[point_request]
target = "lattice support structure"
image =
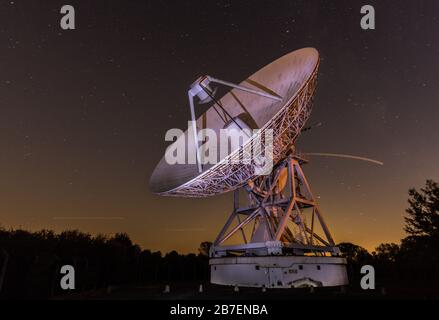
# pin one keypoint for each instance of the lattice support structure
(284, 241)
(280, 217)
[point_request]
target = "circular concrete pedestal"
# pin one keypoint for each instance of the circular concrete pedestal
(279, 271)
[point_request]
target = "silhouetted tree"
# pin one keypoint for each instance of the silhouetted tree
(354, 254)
(418, 251)
(33, 269)
(387, 252)
(423, 213)
(35, 258)
(204, 248)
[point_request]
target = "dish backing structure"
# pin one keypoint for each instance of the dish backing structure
(276, 236)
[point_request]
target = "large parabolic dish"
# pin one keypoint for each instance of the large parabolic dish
(291, 77)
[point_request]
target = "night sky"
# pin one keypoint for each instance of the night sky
(83, 113)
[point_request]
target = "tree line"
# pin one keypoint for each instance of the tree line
(414, 263)
(30, 261)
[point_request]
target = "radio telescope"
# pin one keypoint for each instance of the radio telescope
(275, 236)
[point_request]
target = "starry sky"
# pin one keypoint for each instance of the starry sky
(83, 113)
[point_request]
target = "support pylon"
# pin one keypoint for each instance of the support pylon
(280, 216)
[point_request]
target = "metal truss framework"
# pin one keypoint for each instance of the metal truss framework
(239, 167)
(281, 213)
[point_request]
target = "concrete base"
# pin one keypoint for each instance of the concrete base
(279, 271)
